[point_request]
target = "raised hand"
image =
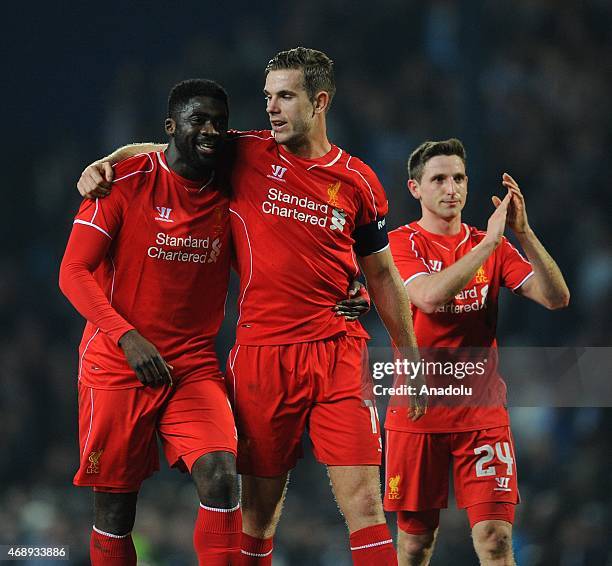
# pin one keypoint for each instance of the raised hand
(517, 212)
(497, 221)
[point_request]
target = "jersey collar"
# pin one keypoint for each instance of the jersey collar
(327, 160)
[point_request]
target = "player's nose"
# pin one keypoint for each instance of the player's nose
(451, 186)
(209, 129)
(271, 105)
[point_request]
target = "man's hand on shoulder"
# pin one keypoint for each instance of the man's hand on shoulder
(143, 357)
(95, 180)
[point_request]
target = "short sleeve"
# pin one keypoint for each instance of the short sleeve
(408, 259)
(371, 194)
(515, 269)
(370, 232)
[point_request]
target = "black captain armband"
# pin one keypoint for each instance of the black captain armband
(371, 238)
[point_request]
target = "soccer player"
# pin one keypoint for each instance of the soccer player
(305, 214)
(148, 268)
(453, 274)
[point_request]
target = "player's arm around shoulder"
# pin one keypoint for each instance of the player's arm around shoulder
(547, 285)
(97, 178)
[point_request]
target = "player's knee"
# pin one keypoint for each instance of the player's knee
(416, 549)
(492, 540)
(366, 502)
(115, 513)
(216, 481)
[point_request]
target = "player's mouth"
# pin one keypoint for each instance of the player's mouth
(277, 125)
(207, 147)
(451, 202)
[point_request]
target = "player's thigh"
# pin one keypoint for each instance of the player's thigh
(484, 467)
(416, 471)
(270, 393)
(344, 425)
(196, 420)
(118, 447)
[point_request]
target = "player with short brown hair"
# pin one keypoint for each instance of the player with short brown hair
(453, 274)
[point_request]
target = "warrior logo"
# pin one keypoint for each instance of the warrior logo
(164, 214)
(278, 172)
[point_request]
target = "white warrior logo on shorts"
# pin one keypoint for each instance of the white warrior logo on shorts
(503, 484)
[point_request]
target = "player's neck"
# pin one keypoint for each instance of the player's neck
(311, 146)
(441, 226)
(179, 166)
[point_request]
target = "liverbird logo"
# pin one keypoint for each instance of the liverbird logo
(94, 462)
(394, 482)
(481, 276)
(332, 194)
(218, 219)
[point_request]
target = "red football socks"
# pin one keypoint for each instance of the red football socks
(373, 545)
(255, 551)
(216, 536)
(106, 549)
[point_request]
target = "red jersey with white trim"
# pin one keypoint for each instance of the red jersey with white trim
(468, 321)
(292, 224)
(161, 244)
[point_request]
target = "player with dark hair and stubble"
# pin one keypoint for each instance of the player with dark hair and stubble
(148, 268)
(304, 214)
(453, 273)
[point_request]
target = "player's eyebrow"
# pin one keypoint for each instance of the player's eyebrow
(280, 92)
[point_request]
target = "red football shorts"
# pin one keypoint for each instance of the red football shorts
(417, 469)
(279, 391)
(118, 430)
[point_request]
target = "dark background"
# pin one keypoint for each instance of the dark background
(525, 84)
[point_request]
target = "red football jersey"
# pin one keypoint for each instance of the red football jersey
(292, 224)
(162, 246)
(468, 321)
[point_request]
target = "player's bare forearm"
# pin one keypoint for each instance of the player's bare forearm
(547, 286)
(390, 298)
(428, 292)
(132, 149)
(432, 291)
(96, 179)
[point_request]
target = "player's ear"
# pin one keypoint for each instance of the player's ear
(321, 102)
(170, 126)
(413, 187)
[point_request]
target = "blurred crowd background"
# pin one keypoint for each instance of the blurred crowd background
(525, 84)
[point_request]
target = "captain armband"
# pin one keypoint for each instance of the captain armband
(371, 238)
